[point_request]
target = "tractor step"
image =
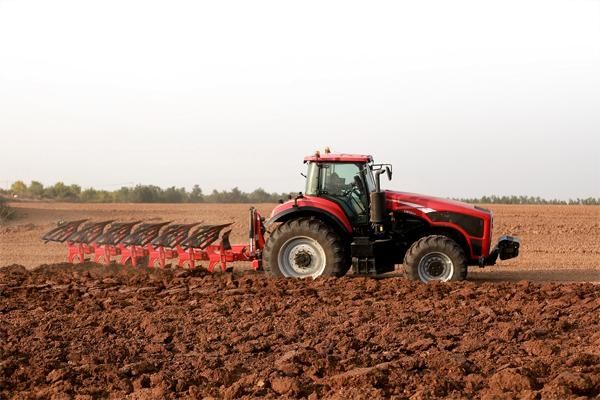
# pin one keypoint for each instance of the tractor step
(372, 256)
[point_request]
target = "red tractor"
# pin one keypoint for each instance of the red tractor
(344, 219)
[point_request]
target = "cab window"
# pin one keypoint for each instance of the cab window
(338, 178)
(345, 184)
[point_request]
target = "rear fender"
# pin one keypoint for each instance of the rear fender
(322, 209)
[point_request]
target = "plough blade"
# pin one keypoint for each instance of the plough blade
(173, 235)
(225, 240)
(116, 233)
(204, 236)
(89, 233)
(63, 231)
(144, 234)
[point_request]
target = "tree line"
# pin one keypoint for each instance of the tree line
(137, 194)
(154, 194)
(529, 200)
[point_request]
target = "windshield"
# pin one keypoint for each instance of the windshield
(312, 180)
(327, 184)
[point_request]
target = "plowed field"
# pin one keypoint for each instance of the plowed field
(151, 334)
(553, 237)
(91, 331)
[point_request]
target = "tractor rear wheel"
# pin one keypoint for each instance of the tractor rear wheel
(435, 258)
(305, 248)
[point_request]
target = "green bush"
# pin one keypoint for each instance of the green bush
(6, 212)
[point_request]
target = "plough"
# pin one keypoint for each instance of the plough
(159, 244)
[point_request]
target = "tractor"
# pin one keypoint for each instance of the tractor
(345, 220)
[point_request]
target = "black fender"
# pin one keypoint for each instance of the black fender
(431, 228)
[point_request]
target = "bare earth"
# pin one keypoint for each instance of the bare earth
(559, 243)
(93, 332)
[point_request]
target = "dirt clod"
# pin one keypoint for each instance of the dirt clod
(283, 385)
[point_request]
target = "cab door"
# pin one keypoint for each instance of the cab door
(344, 183)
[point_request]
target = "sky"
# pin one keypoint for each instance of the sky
(465, 98)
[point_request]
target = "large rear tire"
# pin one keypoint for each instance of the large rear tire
(435, 258)
(305, 248)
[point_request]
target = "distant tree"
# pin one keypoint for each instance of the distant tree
(89, 195)
(19, 188)
(196, 196)
(215, 197)
(143, 194)
(236, 196)
(105, 196)
(174, 195)
(74, 189)
(121, 195)
(36, 189)
(260, 196)
(60, 191)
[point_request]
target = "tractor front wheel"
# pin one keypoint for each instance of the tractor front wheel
(304, 248)
(435, 258)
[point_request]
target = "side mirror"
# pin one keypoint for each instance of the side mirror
(389, 173)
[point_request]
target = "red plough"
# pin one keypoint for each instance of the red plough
(159, 244)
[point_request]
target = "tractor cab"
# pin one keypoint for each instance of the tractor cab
(344, 179)
(349, 180)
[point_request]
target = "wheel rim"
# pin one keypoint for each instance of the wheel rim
(301, 257)
(435, 267)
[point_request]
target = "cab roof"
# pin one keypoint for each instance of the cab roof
(329, 157)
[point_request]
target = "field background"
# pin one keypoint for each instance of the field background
(554, 237)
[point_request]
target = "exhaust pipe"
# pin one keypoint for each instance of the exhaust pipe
(377, 217)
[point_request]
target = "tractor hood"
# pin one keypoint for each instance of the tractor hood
(428, 204)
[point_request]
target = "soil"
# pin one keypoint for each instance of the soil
(91, 331)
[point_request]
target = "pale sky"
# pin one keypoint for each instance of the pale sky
(465, 98)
